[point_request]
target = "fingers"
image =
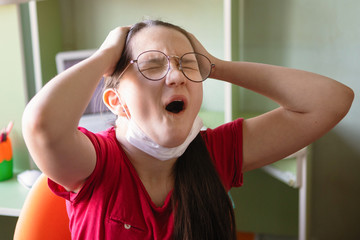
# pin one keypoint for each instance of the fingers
(199, 48)
(113, 45)
(116, 38)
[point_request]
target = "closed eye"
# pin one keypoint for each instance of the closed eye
(156, 67)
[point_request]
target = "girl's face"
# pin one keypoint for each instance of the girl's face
(148, 101)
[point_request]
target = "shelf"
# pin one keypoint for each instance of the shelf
(12, 197)
(288, 170)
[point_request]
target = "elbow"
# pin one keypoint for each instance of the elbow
(348, 96)
(44, 127)
(31, 123)
(342, 102)
(36, 126)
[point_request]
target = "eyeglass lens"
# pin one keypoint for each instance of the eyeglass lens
(154, 65)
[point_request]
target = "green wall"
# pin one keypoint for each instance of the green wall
(13, 95)
(321, 36)
(266, 205)
(27, 49)
(50, 36)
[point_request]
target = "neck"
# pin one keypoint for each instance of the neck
(148, 168)
(156, 175)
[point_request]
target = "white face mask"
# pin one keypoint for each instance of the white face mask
(138, 138)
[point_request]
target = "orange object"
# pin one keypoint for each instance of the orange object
(6, 161)
(5, 150)
(43, 215)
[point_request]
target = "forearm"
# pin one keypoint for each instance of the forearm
(58, 106)
(294, 90)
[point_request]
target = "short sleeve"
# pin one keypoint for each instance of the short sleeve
(225, 146)
(98, 142)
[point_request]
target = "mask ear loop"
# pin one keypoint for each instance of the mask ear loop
(122, 105)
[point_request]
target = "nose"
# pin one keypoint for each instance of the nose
(175, 76)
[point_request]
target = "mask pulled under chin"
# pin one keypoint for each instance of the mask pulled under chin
(136, 137)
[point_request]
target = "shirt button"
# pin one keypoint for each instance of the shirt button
(127, 226)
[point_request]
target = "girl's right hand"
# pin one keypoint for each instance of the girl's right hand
(113, 45)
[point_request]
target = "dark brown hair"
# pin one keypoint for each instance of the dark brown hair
(202, 207)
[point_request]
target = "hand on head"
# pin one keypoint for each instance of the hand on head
(114, 43)
(199, 48)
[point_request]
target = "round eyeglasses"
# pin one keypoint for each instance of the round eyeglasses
(154, 65)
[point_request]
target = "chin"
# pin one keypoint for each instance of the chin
(172, 140)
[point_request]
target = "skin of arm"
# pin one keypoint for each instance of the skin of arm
(51, 118)
(310, 105)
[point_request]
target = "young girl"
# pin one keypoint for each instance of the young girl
(155, 175)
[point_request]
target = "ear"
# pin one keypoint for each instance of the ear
(112, 101)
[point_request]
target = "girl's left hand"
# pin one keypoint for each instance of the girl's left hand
(199, 48)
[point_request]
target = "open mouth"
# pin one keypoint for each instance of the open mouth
(175, 106)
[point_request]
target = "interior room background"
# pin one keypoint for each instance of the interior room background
(321, 36)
